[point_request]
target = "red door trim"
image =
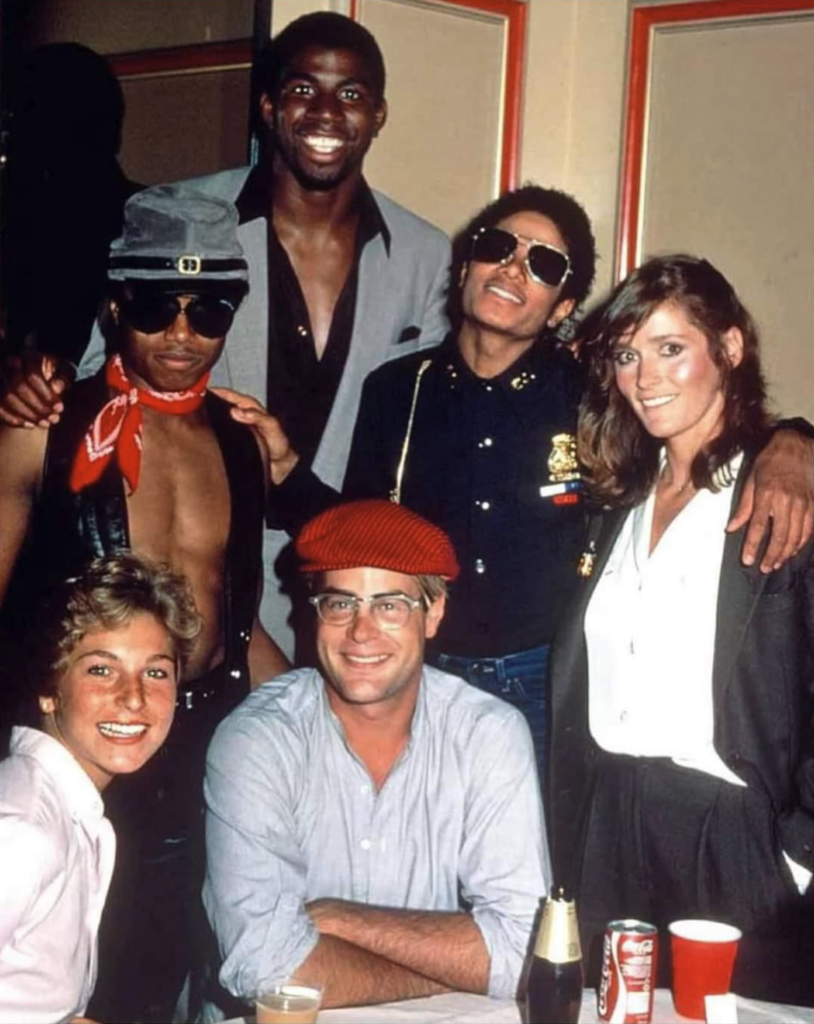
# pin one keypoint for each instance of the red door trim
(514, 11)
(644, 21)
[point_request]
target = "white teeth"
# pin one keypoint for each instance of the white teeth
(323, 144)
(120, 729)
(372, 659)
(654, 403)
(503, 294)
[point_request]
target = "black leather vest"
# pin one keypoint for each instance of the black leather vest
(68, 530)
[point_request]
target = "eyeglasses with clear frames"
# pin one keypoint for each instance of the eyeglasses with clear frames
(388, 611)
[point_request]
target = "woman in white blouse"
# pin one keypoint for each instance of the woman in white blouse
(682, 777)
(109, 646)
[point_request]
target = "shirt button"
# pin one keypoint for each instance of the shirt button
(365, 844)
(485, 443)
(623, 716)
(364, 790)
(480, 566)
(484, 505)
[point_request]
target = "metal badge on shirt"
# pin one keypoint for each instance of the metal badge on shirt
(563, 471)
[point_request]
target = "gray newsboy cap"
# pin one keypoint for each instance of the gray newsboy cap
(174, 233)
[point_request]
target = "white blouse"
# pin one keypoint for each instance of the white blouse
(650, 633)
(56, 858)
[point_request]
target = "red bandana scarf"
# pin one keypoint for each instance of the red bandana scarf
(118, 427)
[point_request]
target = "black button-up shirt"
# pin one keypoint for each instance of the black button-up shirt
(300, 386)
(493, 462)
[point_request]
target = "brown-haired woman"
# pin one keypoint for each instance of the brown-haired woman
(681, 775)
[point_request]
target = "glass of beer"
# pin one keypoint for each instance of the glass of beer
(289, 1002)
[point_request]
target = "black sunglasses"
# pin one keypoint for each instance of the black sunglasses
(545, 264)
(207, 315)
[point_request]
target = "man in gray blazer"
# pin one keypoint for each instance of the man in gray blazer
(342, 278)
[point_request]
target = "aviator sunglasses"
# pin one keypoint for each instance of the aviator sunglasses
(207, 315)
(544, 263)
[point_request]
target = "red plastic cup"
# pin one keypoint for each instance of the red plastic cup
(703, 958)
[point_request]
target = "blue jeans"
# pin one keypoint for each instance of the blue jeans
(520, 679)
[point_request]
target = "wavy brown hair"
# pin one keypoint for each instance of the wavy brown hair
(620, 458)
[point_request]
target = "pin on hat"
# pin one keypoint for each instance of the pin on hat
(174, 233)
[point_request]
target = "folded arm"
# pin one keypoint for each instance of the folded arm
(446, 948)
(352, 976)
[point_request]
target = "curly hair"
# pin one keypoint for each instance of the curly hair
(105, 596)
(620, 458)
(572, 223)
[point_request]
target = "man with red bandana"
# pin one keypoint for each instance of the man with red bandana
(374, 825)
(144, 458)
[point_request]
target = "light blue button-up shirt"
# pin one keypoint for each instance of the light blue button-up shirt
(293, 816)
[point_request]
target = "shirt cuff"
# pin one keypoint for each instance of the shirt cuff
(506, 940)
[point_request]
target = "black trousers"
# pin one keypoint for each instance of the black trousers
(664, 842)
(153, 929)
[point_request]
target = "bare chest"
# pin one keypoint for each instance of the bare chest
(181, 509)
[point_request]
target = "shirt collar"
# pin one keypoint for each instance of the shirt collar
(253, 202)
(416, 725)
(723, 477)
(514, 379)
(69, 779)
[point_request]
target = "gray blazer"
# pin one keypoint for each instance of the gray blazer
(400, 307)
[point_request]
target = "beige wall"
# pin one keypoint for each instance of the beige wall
(574, 86)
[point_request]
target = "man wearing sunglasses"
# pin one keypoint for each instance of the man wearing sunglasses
(374, 825)
(145, 458)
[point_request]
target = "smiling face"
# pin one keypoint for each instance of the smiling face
(503, 298)
(666, 372)
(326, 116)
(172, 359)
(115, 699)
(364, 664)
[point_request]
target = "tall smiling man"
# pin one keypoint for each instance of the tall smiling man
(373, 825)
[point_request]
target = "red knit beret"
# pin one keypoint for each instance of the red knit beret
(379, 534)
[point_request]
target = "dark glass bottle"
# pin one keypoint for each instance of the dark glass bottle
(554, 993)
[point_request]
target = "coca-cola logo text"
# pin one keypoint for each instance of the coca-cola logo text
(637, 947)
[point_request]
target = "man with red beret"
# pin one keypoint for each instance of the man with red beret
(373, 825)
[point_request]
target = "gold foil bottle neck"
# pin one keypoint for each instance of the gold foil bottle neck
(558, 937)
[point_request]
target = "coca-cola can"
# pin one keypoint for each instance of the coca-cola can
(628, 980)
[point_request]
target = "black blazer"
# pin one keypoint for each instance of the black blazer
(763, 680)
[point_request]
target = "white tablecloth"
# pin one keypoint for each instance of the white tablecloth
(461, 1008)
